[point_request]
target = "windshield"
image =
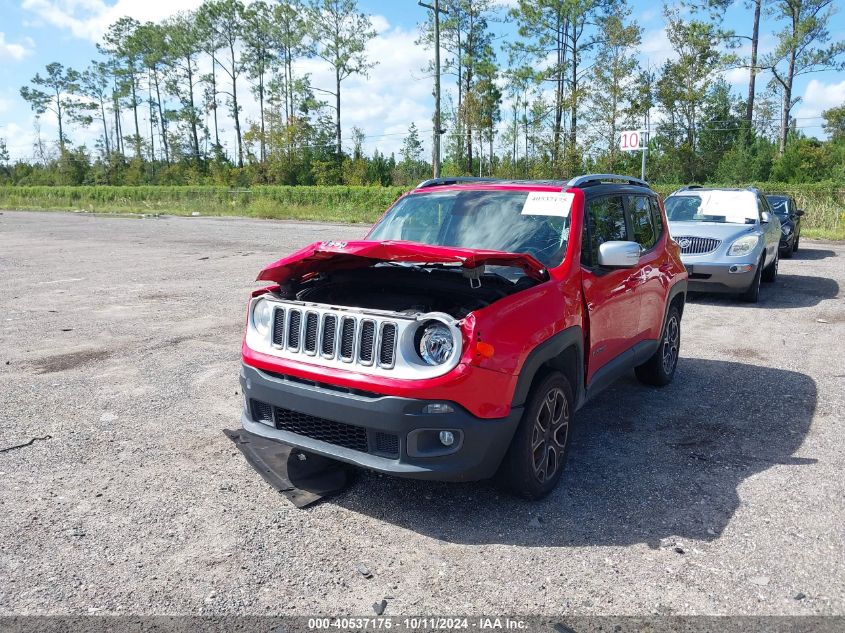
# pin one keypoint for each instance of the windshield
(731, 207)
(779, 204)
(491, 220)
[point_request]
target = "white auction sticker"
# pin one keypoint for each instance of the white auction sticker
(556, 203)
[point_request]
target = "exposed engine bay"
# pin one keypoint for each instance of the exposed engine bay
(412, 289)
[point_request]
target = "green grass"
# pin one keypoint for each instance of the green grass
(824, 203)
(825, 234)
(327, 204)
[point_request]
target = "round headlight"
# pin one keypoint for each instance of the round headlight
(436, 343)
(262, 315)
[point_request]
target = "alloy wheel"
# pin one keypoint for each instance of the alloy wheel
(549, 434)
(671, 343)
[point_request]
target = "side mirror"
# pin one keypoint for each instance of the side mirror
(765, 217)
(619, 254)
(800, 212)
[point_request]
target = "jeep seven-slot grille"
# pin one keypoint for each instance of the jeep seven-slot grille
(316, 428)
(312, 322)
(697, 245)
(362, 340)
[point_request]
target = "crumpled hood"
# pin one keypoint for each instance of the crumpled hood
(336, 255)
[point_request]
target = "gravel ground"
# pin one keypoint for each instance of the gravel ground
(720, 494)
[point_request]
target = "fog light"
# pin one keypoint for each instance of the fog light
(741, 268)
(447, 438)
(438, 407)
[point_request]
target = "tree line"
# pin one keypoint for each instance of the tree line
(547, 103)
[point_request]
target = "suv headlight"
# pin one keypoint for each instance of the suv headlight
(743, 245)
(435, 343)
(785, 228)
(262, 316)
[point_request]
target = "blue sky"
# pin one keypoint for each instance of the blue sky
(36, 32)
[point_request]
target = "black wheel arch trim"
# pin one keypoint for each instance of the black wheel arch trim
(678, 288)
(550, 349)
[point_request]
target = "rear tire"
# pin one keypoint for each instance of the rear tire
(659, 370)
(753, 293)
(537, 455)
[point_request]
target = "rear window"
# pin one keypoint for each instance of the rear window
(731, 207)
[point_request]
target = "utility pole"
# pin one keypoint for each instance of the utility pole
(644, 141)
(435, 149)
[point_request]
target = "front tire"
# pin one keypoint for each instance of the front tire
(659, 370)
(537, 455)
(752, 295)
(770, 273)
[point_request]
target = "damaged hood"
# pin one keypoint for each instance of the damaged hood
(321, 257)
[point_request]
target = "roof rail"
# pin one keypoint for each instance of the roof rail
(688, 187)
(595, 179)
(452, 180)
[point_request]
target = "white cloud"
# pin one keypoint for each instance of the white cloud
(736, 76)
(818, 96)
(89, 19)
(14, 51)
(396, 92)
(656, 47)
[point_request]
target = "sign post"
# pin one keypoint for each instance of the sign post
(634, 141)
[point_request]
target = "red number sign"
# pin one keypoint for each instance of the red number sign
(629, 141)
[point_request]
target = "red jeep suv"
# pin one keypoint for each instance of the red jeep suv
(458, 339)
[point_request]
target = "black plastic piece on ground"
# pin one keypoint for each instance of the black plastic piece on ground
(302, 481)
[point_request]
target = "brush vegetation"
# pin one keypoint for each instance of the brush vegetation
(824, 203)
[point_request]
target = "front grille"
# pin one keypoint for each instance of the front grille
(312, 322)
(261, 412)
(279, 326)
(387, 443)
(329, 336)
(364, 340)
(347, 338)
(388, 345)
(368, 338)
(697, 245)
(294, 329)
(346, 435)
(337, 433)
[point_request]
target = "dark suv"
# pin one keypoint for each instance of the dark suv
(457, 340)
(790, 216)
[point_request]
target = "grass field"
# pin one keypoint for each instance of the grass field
(825, 204)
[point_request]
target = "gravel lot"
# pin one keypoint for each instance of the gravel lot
(720, 494)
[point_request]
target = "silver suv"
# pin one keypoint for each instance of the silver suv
(728, 237)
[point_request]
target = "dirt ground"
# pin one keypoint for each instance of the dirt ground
(119, 347)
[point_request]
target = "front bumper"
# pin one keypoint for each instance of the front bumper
(388, 434)
(786, 242)
(716, 276)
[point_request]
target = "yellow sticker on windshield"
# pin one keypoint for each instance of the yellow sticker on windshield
(554, 203)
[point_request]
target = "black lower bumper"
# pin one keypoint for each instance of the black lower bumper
(357, 428)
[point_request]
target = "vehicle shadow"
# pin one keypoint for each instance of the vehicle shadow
(797, 291)
(644, 464)
(787, 291)
(812, 253)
